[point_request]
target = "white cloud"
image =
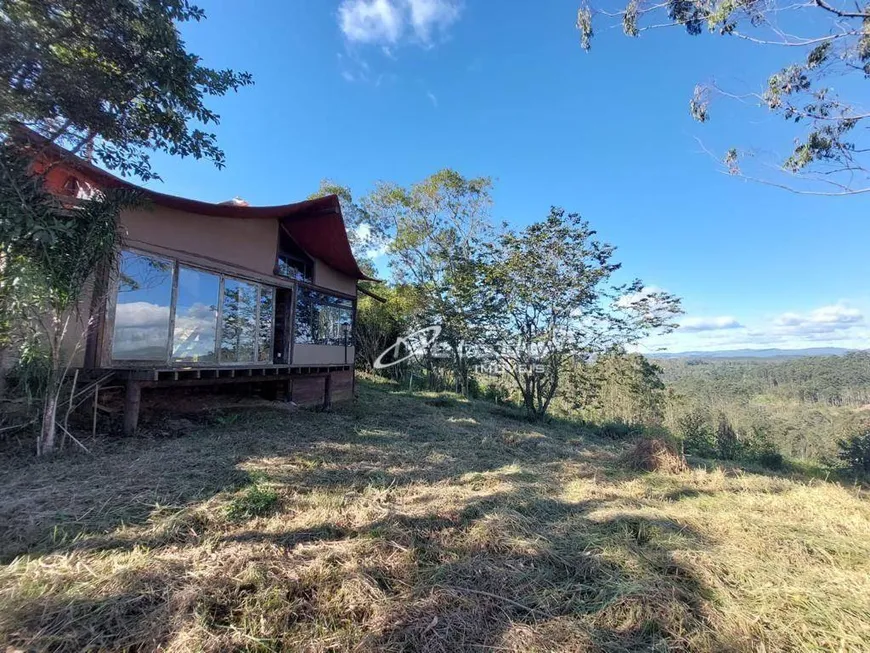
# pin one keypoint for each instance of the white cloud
(697, 324)
(427, 15)
(141, 330)
(650, 302)
(432, 97)
(371, 21)
(830, 318)
(388, 22)
(836, 325)
(140, 314)
(363, 231)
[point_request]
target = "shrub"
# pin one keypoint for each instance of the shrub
(771, 460)
(727, 442)
(495, 393)
(696, 435)
(31, 375)
(255, 501)
(855, 452)
(616, 430)
(474, 390)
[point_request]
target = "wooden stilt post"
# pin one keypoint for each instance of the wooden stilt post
(96, 409)
(131, 407)
(327, 393)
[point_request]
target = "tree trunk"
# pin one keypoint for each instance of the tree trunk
(45, 443)
(4, 357)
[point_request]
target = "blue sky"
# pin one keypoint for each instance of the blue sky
(367, 90)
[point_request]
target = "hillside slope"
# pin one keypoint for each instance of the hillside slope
(420, 523)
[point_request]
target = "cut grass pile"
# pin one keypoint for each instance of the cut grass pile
(417, 523)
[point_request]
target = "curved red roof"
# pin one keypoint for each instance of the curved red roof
(316, 225)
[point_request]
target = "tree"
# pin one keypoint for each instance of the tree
(436, 229)
(362, 230)
(727, 441)
(111, 76)
(617, 386)
(50, 253)
(552, 302)
(108, 79)
(380, 324)
(855, 453)
(830, 153)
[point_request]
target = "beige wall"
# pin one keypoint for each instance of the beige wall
(246, 247)
(314, 355)
(326, 277)
(249, 244)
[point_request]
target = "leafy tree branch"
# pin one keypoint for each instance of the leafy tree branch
(830, 154)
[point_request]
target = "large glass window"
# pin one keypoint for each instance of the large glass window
(195, 316)
(267, 309)
(142, 308)
(323, 319)
(239, 322)
(143, 326)
(303, 331)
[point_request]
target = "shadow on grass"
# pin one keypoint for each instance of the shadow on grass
(490, 576)
(386, 439)
(515, 569)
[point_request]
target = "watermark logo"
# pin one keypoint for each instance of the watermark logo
(424, 342)
(413, 345)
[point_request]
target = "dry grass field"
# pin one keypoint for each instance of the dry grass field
(420, 523)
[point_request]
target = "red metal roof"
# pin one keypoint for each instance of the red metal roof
(316, 225)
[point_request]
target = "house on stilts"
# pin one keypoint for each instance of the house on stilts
(209, 294)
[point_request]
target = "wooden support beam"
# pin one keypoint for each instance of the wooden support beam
(132, 400)
(224, 380)
(327, 394)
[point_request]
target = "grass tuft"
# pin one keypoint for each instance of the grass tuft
(255, 501)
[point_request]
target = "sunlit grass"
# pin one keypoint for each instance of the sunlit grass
(421, 522)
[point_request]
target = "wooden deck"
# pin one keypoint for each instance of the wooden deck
(304, 385)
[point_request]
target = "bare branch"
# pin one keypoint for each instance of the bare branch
(842, 14)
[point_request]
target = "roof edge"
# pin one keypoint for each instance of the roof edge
(342, 260)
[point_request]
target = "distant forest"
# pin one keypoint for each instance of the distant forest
(829, 380)
(800, 407)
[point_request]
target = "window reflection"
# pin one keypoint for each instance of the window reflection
(239, 322)
(195, 316)
(323, 319)
(267, 307)
(142, 308)
(142, 326)
(303, 333)
(293, 268)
